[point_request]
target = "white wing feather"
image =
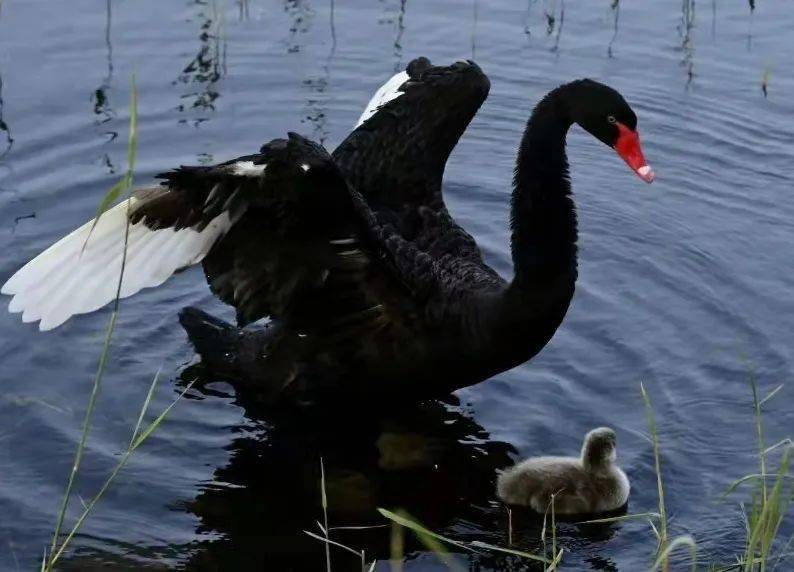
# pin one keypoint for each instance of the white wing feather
(388, 91)
(66, 280)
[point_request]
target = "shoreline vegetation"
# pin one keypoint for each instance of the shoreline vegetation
(771, 493)
(771, 490)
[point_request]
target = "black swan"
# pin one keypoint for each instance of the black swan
(588, 484)
(370, 286)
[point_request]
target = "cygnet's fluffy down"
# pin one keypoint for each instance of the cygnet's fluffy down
(589, 484)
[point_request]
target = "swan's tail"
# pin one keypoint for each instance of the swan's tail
(216, 341)
(238, 356)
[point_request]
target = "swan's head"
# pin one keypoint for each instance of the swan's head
(603, 113)
(600, 448)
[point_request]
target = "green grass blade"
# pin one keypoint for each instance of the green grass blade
(328, 541)
(439, 550)
(84, 434)
(781, 443)
(655, 530)
(119, 466)
(159, 419)
(664, 554)
(358, 527)
(661, 532)
(739, 482)
(771, 394)
(145, 406)
(553, 532)
(527, 555)
(323, 496)
(406, 522)
(760, 433)
(556, 562)
(132, 142)
(777, 506)
(126, 182)
(124, 186)
(430, 538)
(641, 515)
(397, 547)
(87, 510)
(324, 501)
(769, 507)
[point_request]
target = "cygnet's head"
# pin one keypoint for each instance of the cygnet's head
(599, 449)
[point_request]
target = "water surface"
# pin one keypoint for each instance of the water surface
(684, 285)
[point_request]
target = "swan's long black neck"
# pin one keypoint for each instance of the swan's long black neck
(543, 213)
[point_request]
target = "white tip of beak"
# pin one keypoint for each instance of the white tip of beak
(646, 173)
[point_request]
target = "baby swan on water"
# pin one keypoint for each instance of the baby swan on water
(586, 485)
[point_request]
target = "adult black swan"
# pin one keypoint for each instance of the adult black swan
(370, 286)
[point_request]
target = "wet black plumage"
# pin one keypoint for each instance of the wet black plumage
(371, 287)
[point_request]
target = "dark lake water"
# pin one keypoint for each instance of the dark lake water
(684, 285)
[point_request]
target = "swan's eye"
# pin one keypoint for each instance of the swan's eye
(611, 119)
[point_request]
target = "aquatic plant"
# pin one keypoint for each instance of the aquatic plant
(123, 186)
(435, 542)
(140, 433)
(326, 531)
(769, 501)
(769, 505)
(665, 546)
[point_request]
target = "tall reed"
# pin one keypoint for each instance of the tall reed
(123, 186)
(769, 504)
(139, 435)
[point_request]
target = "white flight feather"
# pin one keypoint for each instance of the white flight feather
(388, 91)
(247, 169)
(66, 280)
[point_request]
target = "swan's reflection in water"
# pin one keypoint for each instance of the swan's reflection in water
(432, 460)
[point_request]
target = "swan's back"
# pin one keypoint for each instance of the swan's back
(576, 490)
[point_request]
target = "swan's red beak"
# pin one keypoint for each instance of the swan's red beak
(629, 148)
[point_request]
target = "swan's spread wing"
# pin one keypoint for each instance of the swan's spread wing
(397, 153)
(79, 273)
(303, 248)
(306, 249)
(278, 233)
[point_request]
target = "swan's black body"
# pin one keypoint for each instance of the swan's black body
(372, 288)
